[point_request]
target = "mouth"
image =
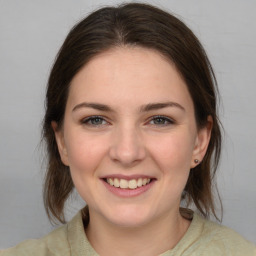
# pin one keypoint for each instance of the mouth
(128, 184)
(126, 187)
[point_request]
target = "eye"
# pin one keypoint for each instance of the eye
(94, 121)
(161, 121)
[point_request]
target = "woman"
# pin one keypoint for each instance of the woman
(131, 123)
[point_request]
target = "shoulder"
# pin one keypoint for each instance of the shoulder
(220, 240)
(55, 243)
(70, 239)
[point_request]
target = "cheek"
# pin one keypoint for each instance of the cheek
(85, 153)
(172, 155)
(173, 152)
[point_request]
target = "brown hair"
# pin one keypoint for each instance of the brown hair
(136, 25)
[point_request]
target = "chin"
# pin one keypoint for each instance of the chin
(129, 216)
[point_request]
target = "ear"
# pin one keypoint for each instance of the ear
(60, 143)
(202, 142)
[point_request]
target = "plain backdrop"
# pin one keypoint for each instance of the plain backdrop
(31, 32)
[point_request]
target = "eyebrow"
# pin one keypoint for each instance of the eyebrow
(96, 106)
(156, 106)
(144, 108)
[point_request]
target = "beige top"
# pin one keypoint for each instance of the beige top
(202, 238)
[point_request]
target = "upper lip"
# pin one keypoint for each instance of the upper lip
(128, 177)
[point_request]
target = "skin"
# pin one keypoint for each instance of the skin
(129, 139)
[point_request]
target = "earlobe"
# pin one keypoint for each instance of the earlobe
(202, 142)
(60, 143)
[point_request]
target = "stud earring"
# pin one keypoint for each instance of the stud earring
(196, 161)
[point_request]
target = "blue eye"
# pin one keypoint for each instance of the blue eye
(161, 120)
(94, 121)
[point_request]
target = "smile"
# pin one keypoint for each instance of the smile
(127, 187)
(128, 184)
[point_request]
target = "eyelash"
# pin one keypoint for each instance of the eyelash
(167, 120)
(89, 121)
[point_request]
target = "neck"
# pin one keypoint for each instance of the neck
(153, 238)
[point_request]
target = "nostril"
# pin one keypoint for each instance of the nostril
(127, 156)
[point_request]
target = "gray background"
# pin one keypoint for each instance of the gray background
(31, 32)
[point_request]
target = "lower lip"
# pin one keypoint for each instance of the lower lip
(124, 192)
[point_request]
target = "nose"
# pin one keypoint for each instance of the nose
(127, 147)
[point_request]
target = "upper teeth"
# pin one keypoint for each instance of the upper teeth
(131, 184)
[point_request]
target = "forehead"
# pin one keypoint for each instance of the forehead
(128, 73)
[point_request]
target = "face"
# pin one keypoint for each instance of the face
(130, 137)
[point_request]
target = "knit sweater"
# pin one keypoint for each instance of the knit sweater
(203, 237)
